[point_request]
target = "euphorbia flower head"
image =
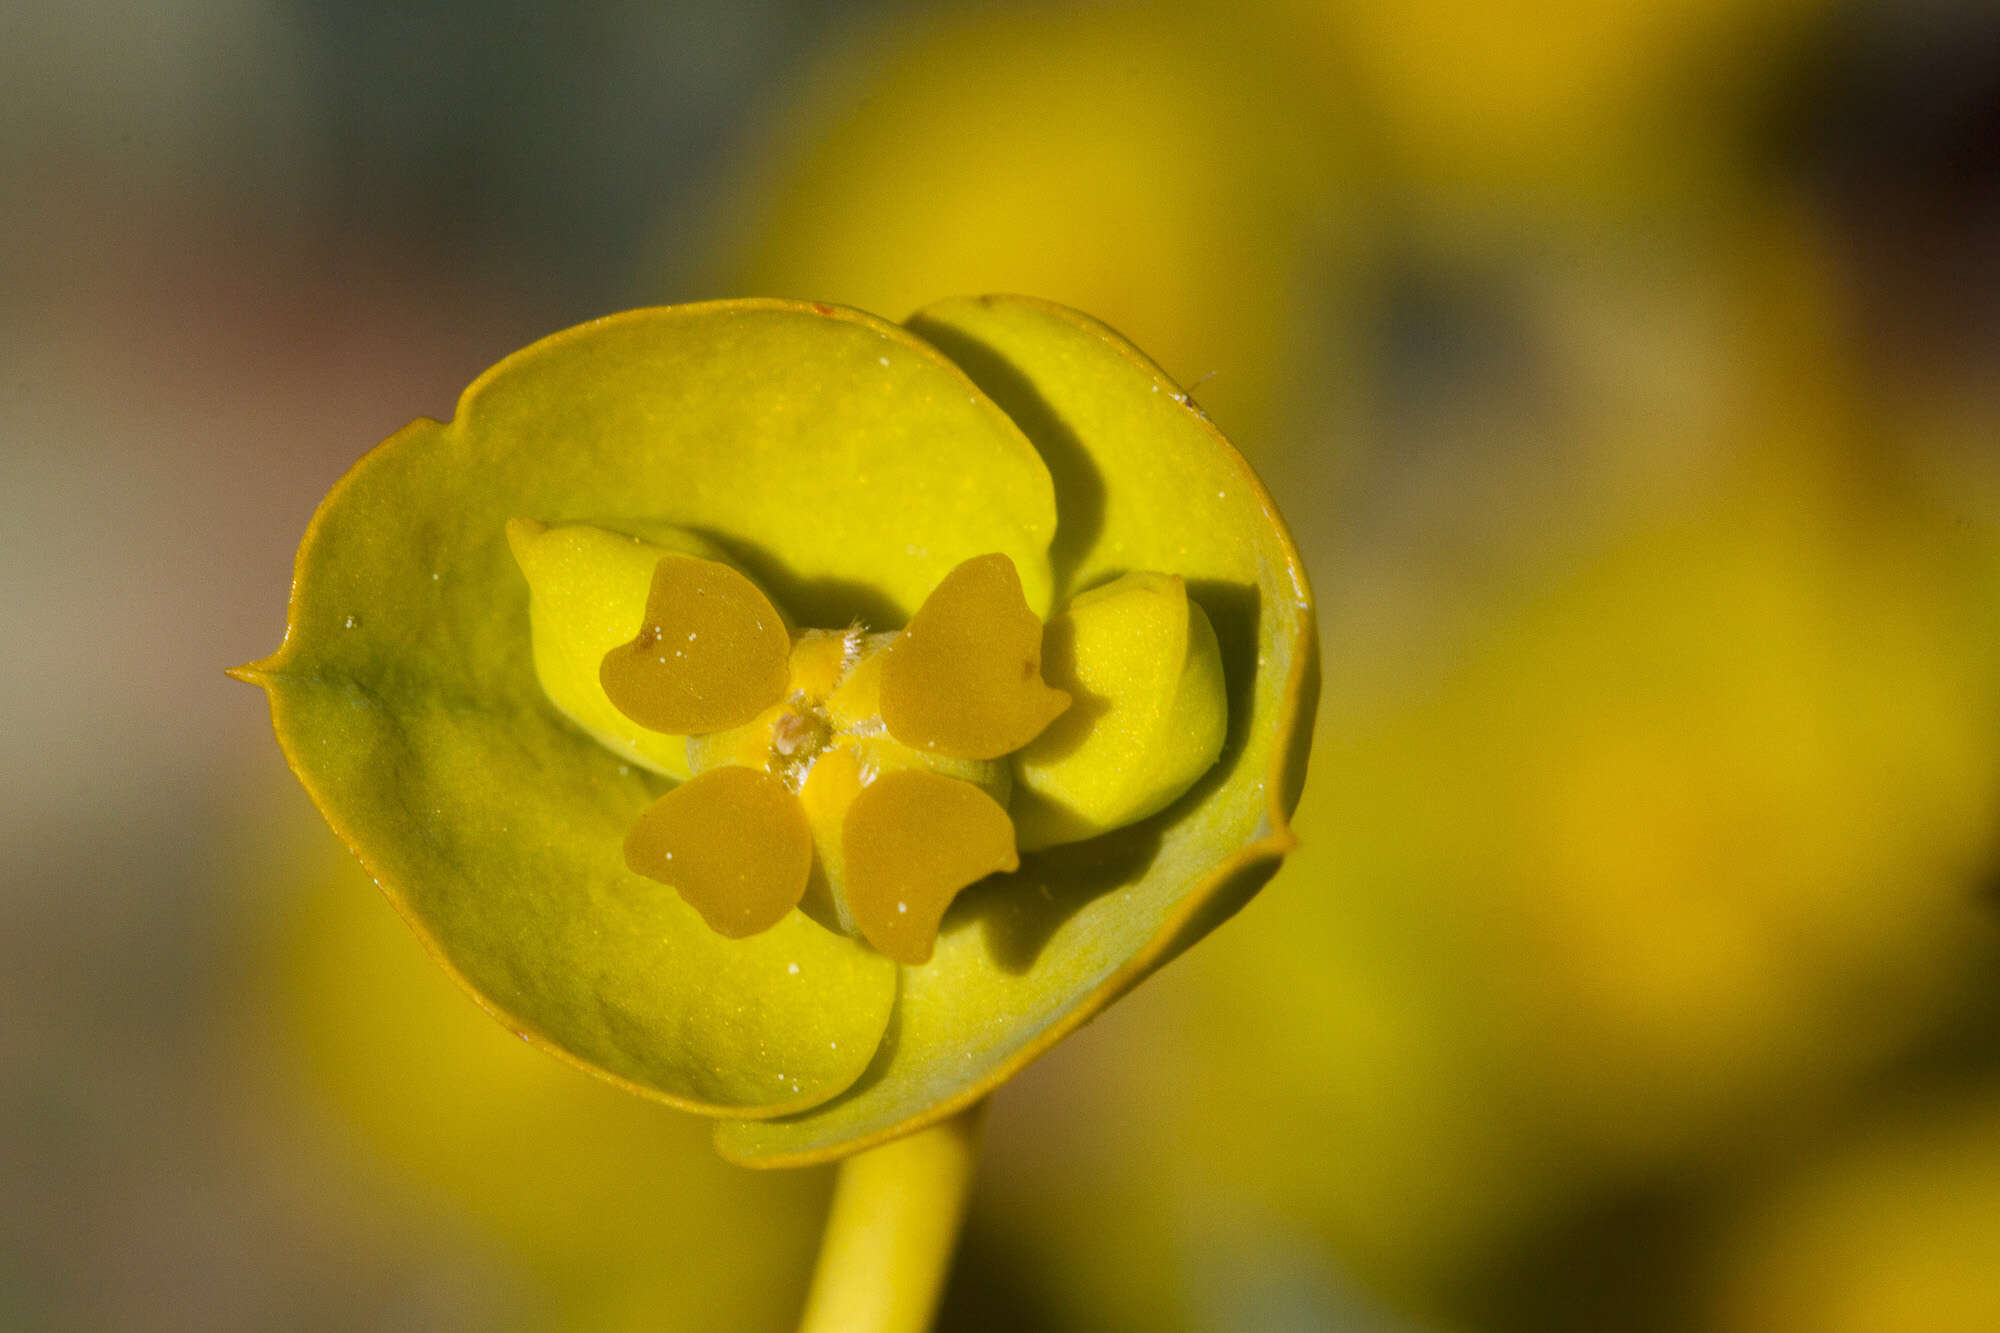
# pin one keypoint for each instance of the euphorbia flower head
(703, 637)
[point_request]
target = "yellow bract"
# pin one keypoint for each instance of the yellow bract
(965, 679)
(1142, 662)
(851, 465)
(711, 653)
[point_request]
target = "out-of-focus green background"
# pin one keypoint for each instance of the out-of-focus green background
(1629, 371)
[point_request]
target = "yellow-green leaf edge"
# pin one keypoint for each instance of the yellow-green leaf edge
(1006, 344)
(872, 994)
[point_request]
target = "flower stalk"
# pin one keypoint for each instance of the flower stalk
(892, 1229)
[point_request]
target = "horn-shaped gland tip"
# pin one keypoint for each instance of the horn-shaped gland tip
(965, 678)
(732, 841)
(911, 840)
(711, 654)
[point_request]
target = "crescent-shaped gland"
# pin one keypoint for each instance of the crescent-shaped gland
(711, 653)
(965, 678)
(910, 842)
(733, 842)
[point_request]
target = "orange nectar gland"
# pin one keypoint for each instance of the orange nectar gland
(867, 785)
(965, 679)
(711, 652)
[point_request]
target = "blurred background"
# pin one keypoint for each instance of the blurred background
(1629, 371)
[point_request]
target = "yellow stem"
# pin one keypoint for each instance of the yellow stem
(890, 1234)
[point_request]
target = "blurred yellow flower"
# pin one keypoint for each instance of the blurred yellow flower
(1145, 163)
(1894, 1230)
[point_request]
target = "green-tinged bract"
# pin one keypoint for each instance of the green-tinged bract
(608, 497)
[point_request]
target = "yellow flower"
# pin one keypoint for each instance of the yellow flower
(845, 469)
